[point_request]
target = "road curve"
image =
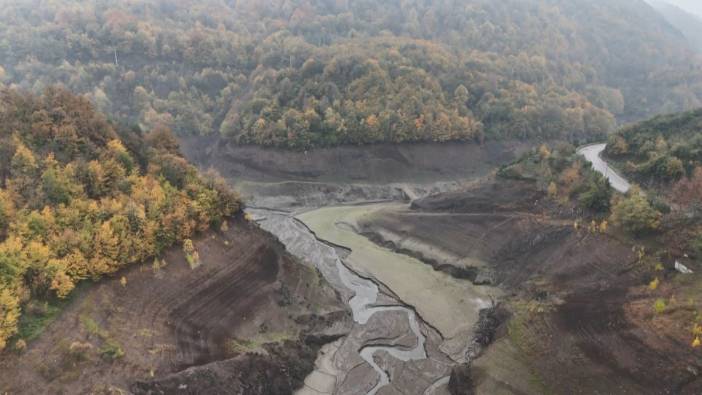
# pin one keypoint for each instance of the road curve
(592, 154)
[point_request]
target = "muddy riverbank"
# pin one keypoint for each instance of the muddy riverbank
(449, 304)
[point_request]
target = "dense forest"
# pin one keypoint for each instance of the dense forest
(80, 198)
(305, 73)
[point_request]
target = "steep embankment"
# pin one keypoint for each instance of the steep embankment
(269, 177)
(350, 164)
(248, 319)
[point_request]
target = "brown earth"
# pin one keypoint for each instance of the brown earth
(381, 163)
(582, 318)
(249, 319)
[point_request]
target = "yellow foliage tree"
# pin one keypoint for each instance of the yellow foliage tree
(654, 284)
(604, 225)
(62, 284)
(544, 152)
(9, 315)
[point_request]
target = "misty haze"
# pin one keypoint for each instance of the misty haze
(348, 197)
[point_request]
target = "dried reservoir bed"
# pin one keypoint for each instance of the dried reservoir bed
(450, 305)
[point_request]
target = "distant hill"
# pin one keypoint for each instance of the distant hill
(687, 23)
(309, 73)
(693, 7)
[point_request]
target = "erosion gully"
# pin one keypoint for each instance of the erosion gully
(361, 293)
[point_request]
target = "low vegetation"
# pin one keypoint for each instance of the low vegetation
(81, 198)
(565, 177)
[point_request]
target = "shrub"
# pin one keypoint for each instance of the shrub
(635, 214)
(552, 190)
(191, 255)
(111, 350)
(80, 351)
(20, 345)
(653, 285)
(596, 195)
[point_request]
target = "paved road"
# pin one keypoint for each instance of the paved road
(592, 154)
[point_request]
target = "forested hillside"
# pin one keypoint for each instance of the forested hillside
(80, 198)
(305, 73)
(661, 150)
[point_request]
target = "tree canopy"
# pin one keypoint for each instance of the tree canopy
(80, 198)
(306, 73)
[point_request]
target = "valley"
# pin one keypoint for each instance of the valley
(437, 313)
(350, 197)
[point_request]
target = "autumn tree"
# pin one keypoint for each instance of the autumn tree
(635, 213)
(89, 208)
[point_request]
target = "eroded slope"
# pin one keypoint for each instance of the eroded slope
(248, 319)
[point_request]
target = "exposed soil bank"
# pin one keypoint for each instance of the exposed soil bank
(249, 319)
(383, 163)
(273, 178)
(581, 319)
(461, 380)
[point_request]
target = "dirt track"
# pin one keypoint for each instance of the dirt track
(248, 295)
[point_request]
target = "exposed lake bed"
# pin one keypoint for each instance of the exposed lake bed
(459, 285)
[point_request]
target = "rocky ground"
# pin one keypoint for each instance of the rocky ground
(249, 319)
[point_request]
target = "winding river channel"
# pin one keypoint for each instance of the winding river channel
(361, 293)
